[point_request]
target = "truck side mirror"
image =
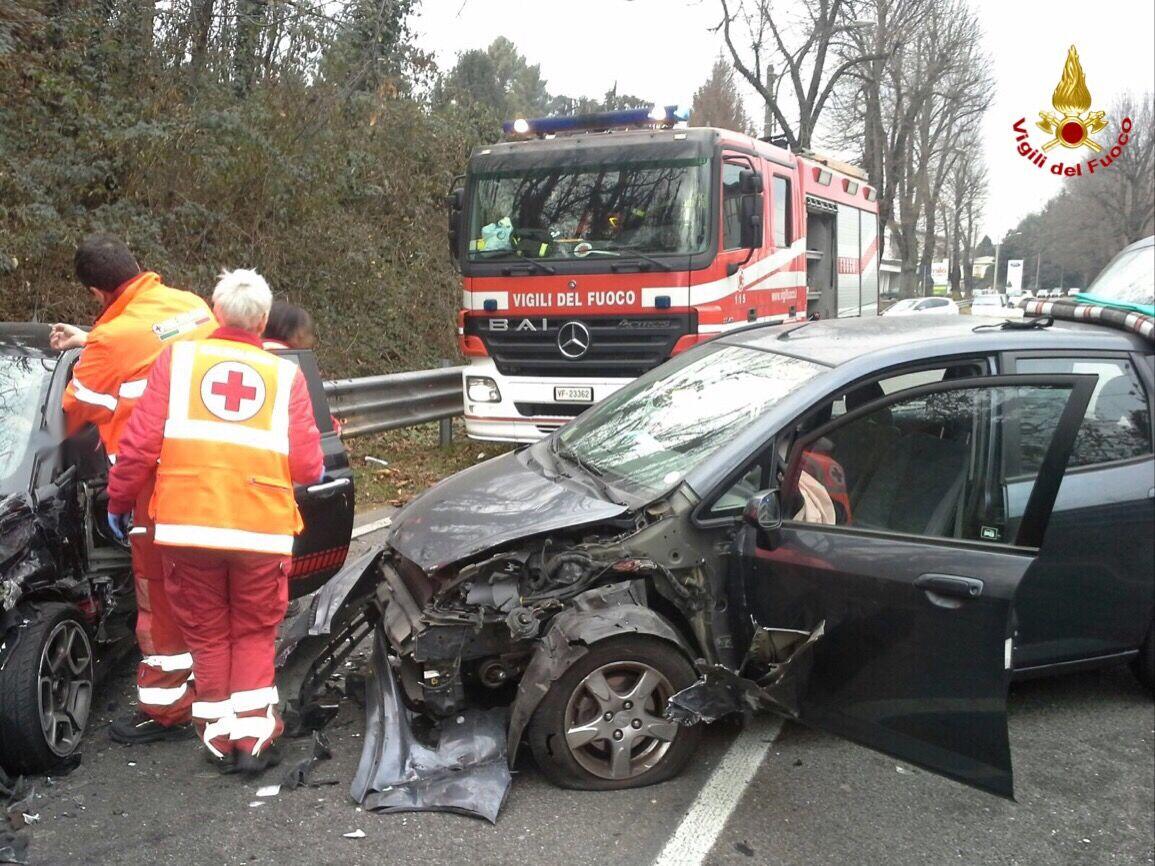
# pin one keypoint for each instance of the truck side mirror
(764, 510)
(749, 182)
(455, 203)
(751, 234)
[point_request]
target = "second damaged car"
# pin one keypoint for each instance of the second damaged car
(869, 526)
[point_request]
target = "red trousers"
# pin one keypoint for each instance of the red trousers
(163, 685)
(230, 604)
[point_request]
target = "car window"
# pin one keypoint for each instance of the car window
(782, 228)
(24, 379)
(917, 466)
(1117, 425)
(732, 204)
(758, 476)
(864, 393)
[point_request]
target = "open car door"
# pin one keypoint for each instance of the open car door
(911, 580)
(326, 507)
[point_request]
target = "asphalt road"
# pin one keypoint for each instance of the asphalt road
(1083, 745)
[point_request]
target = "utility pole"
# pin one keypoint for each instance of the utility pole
(1038, 262)
(995, 287)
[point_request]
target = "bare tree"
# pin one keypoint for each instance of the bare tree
(945, 49)
(809, 53)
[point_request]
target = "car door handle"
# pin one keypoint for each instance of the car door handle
(327, 488)
(950, 584)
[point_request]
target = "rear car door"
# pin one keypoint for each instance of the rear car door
(1092, 593)
(326, 507)
(912, 574)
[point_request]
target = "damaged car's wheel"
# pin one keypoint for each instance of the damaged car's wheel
(602, 725)
(46, 690)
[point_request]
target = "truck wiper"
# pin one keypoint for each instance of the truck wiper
(639, 254)
(541, 267)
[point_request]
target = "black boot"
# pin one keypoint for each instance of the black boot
(137, 728)
(226, 766)
(254, 765)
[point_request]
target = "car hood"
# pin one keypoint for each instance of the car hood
(488, 505)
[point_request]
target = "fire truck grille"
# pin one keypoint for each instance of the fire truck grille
(580, 346)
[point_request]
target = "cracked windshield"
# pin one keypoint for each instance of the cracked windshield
(645, 437)
(591, 211)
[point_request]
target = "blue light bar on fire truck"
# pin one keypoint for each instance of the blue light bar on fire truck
(635, 118)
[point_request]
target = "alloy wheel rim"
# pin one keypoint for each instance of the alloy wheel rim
(614, 720)
(64, 687)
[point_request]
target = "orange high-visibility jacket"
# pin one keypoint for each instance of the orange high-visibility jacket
(224, 479)
(113, 367)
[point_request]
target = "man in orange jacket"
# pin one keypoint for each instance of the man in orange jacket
(140, 317)
(232, 427)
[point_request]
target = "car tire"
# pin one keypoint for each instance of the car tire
(580, 704)
(1144, 664)
(46, 688)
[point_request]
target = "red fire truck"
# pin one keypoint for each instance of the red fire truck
(594, 248)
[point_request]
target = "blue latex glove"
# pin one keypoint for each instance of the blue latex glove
(120, 524)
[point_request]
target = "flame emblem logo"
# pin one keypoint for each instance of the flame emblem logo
(1075, 123)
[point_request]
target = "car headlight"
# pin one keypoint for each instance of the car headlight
(482, 389)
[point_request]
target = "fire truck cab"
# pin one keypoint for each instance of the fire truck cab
(593, 249)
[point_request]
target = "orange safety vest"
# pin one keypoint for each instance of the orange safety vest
(127, 338)
(223, 480)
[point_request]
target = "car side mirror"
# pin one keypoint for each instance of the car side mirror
(764, 511)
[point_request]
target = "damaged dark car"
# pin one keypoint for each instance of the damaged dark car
(870, 526)
(67, 602)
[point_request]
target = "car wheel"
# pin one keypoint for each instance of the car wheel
(47, 691)
(1144, 664)
(602, 724)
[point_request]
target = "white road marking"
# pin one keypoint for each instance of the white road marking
(372, 526)
(706, 817)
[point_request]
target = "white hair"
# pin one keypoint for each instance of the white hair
(242, 299)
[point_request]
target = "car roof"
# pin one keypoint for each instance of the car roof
(25, 338)
(876, 341)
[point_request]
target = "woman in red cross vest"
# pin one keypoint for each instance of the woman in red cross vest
(229, 428)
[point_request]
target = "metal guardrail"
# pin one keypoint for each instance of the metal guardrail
(372, 404)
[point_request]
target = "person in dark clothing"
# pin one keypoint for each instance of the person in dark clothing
(289, 327)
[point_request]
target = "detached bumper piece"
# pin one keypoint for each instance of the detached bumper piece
(408, 765)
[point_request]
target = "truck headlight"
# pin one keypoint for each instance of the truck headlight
(482, 389)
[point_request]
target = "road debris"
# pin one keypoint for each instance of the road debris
(356, 834)
(299, 775)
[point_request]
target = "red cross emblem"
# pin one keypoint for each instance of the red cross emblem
(233, 391)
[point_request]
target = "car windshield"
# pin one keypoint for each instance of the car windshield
(905, 304)
(23, 381)
(1129, 278)
(644, 438)
(578, 211)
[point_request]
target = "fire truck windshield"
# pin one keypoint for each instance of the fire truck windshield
(607, 210)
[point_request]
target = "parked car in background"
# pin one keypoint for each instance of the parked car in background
(923, 306)
(870, 525)
(994, 305)
(66, 592)
(1071, 292)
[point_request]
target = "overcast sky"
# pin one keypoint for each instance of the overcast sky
(663, 49)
